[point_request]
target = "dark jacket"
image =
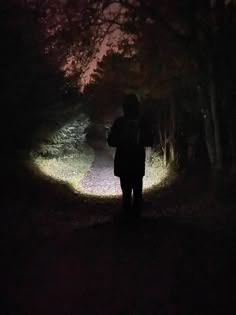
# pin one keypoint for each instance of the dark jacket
(130, 156)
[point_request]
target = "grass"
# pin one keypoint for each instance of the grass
(70, 169)
(154, 175)
(155, 172)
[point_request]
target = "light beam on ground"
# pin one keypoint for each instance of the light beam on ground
(98, 181)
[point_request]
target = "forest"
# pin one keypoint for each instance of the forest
(178, 58)
(66, 67)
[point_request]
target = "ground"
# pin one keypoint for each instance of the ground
(63, 253)
(100, 179)
(90, 172)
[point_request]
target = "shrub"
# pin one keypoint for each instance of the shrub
(66, 140)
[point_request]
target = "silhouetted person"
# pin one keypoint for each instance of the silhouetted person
(130, 135)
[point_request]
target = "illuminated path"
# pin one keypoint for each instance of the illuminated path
(100, 179)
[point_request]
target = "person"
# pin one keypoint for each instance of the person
(130, 135)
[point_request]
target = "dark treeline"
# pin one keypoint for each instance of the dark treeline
(177, 56)
(60, 253)
(183, 69)
(35, 96)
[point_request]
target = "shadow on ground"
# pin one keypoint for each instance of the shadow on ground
(150, 267)
(62, 253)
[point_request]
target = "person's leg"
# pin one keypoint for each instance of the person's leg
(126, 187)
(137, 185)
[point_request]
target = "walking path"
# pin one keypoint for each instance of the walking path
(100, 179)
(66, 258)
(154, 267)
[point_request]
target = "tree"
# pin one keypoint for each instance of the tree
(202, 29)
(199, 34)
(66, 139)
(111, 79)
(30, 84)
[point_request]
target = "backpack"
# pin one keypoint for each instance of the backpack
(130, 133)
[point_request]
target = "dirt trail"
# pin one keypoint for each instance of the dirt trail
(62, 258)
(100, 179)
(154, 267)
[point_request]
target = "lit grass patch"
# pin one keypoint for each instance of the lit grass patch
(99, 180)
(70, 169)
(155, 173)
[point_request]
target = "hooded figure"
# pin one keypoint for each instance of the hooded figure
(130, 135)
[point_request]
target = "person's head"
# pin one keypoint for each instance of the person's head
(131, 106)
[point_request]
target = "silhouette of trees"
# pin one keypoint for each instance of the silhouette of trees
(177, 53)
(114, 75)
(182, 42)
(189, 47)
(31, 84)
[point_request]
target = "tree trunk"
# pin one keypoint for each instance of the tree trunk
(209, 138)
(233, 151)
(165, 149)
(172, 130)
(216, 126)
(163, 141)
(208, 126)
(163, 137)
